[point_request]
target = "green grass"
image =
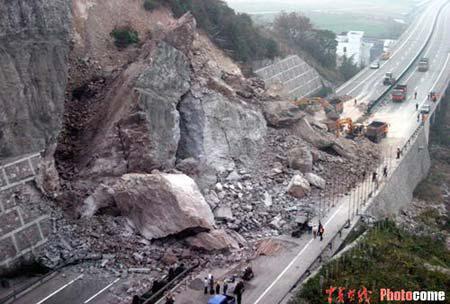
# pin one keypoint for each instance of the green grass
(372, 27)
(388, 257)
(344, 22)
(124, 36)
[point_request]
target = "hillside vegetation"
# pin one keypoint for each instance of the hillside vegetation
(233, 32)
(388, 257)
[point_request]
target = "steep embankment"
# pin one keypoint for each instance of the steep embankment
(34, 39)
(166, 104)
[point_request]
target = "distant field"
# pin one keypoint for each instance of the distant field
(372, 7)
(375, 17)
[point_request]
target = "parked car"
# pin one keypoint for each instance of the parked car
(425, 109)
(375, 65)
(222, 299)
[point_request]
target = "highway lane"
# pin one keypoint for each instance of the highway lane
(71, 288)
(367, 85)
(402, 117)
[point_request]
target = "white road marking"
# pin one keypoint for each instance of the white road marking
(59, 289)
(295, 259)
(101, 291)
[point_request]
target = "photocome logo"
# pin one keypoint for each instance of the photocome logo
(363, 295)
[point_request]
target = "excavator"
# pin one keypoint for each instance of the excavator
(345, 126)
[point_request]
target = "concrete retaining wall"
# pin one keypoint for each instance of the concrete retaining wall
(398, 191)
(297, 78)
(24, 227)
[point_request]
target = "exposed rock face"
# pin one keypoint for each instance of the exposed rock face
(34, 38)
(298, 187)
(159, 205)
(281, 114)
(300, 159)
(146, 133)
(218, 131)
(47, 178)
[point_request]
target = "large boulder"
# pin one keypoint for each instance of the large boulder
(313, 136)
(315, 180)
(300, 158)
(298, 187)
(218, 132)
(319, 138)
(281, 114)
(215, 240)
(160, 205)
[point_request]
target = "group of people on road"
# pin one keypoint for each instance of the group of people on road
(214, 286)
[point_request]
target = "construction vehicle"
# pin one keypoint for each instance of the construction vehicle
(389, 79)
(346, 127)
(423, 65)
(337, 104)
(399, 92)
(376, 130)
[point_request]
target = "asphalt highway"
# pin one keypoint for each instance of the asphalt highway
(367, 85)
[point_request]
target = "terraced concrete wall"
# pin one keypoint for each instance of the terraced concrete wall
(295, 75)
(23, 226)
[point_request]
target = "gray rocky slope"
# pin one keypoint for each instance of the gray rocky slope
(34, 39)
(170, 112)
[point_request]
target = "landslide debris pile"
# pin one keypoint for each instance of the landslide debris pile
(168, 153)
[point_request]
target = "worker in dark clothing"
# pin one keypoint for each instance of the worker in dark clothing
(418, 117)
(415, 95)
(321, 231)
(375, 179)
(248, 273)
(399, 153)
(211, 284)
(385, 171)
(225, 287)
(238, 291)
(218, 287)
(374, 176)
(171, 274)
(170, 299)
(417, 107)
(356, 101)
(180, 269)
